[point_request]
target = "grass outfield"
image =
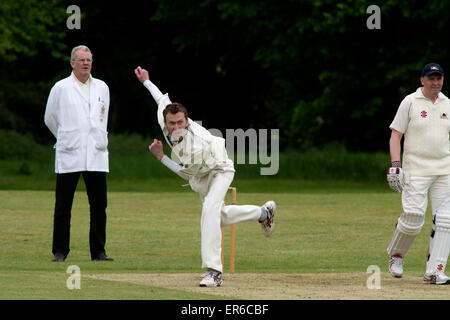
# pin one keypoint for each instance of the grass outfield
(149, 234)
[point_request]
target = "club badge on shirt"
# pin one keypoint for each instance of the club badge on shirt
(102, 109)
(444, 116)
(423, 114)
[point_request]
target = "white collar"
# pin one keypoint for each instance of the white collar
(440, 96)
(81, 83)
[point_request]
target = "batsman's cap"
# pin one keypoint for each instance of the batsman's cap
(432, 68)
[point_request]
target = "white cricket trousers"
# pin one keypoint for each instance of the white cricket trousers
(414, 201)
(215, 214)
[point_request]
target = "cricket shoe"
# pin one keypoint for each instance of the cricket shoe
(268, 224)
(212, 278)
(396, 266)
(438, 277)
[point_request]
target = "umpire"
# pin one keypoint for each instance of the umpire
(77, 115)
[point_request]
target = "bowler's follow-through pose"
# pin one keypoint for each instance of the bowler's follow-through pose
(424, 119)
(206, 165)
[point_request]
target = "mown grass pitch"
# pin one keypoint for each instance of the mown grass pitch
(151, 234)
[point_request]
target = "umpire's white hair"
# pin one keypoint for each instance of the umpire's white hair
(78, 48)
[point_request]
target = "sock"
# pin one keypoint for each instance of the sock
(263, 214)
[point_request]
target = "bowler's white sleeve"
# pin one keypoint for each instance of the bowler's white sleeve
(156, 93)
(51, 111)
(162, 100)
(169, 163)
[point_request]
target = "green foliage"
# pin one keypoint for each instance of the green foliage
(311, 69)
(133, 167)
(330, 76)
(16, 146)
(26, 25)
(131, 159)
(332, 162)
(32, 41)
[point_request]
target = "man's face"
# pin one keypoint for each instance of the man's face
(432, 84)
(175, 122)
(82, 64)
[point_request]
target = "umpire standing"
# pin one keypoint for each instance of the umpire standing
(77, 115)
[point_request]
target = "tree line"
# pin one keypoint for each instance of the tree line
(312, 69)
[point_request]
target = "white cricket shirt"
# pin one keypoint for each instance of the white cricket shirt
(425, 126)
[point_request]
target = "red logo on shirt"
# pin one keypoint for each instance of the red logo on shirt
(423, 114)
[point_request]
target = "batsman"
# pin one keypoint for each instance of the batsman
(202, 159)
(423, 119)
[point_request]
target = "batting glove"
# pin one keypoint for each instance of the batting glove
(397, 178)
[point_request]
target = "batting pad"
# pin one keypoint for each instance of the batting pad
(440, 249)
(408, 227)
(432, 233)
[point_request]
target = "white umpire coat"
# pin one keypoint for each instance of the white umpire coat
(79, 126)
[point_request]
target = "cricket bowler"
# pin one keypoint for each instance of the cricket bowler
(205, 164)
